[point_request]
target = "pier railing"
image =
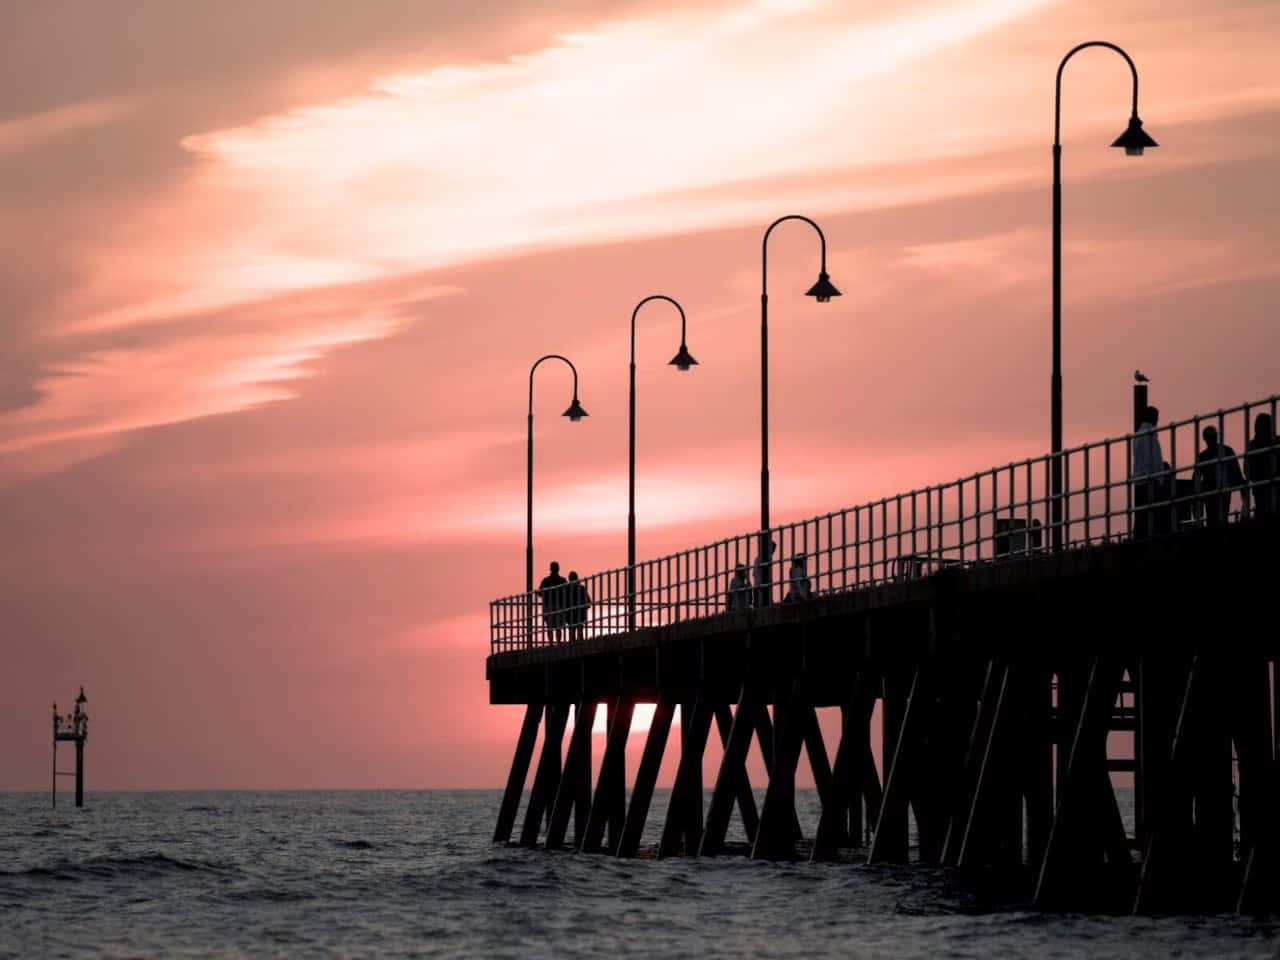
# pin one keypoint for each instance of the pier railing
(999, 515)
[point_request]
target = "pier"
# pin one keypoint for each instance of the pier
(998, 667)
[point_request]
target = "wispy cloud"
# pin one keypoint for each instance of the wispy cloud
(35, 130)
(572, 143)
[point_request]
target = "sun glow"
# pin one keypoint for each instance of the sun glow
(641, 719)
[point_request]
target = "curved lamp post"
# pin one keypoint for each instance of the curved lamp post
(574, 413)
(1134, 140)
(683, 360)
(822, 291)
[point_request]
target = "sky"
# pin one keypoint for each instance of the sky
(273, 273)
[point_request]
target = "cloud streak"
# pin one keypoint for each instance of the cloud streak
(35, 130)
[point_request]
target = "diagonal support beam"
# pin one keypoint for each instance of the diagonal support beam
(1251, 730)
(731, 779)
(519, 772)
(612, 765)
(547, 779)
(646, 777)
(686, 793)
(1156, 876)
(765, 734)
(577, 762)
(986, 787)
(746, 799)
(978, 736)
(775, 840)
(833, 822)
(1087, 816)
(889, 841)
(819, 763)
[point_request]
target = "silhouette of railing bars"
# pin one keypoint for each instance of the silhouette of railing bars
(998, 515)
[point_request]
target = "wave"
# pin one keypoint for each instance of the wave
(98, 868)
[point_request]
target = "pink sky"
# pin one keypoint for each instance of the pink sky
(274, 273)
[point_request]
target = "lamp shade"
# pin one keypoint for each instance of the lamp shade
(823, 290)
(1135, 139)
(575, 411)
(683, 360)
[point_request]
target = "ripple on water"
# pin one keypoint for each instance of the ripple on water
(411, 874)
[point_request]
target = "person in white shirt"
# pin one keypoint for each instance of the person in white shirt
(798, 581)
(1145, 470)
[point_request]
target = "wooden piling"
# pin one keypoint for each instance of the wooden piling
(731, 780)
(775, 839)
(1087, 827)
(612, 767)
(519, 772)
(889, 842)
(840, 822)
(577, 763)
(646, 778)
(682, 830)
(547, 778)
(742, 789)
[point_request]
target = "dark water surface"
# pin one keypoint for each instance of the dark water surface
(409, 874)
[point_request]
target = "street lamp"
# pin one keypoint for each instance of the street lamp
(574, 413)
(822, 291)
(683, 360)
(1134, 140)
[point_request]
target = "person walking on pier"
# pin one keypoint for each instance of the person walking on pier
(739, 596)
(1261, 467)
(798, 581)
(1145, 468)
(1217, 475)
(764, 575)
(551, 591)
(577, 601)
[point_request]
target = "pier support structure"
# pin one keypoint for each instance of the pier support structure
(1006, 706)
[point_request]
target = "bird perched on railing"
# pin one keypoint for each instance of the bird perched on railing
(1140, 377)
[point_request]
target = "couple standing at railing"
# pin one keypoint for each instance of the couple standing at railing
(564, 604)
(741, 596)
(1217, 476)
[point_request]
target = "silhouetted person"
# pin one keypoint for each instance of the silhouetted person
(552, 593)
(577, 601)
(1145, 469)
(739, 596)
(1217, 475)
(797, 581)
(1261, 468)
(764, 576)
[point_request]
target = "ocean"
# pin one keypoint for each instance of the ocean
(413, 874)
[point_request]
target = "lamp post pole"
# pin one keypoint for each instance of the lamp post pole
(1134, 140)
(683, 360)
(822, 291)
(574, 413)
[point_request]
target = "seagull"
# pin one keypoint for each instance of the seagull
(1141, 377)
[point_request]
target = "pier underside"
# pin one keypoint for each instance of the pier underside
(993, 691)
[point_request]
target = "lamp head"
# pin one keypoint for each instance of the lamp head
(575, 411)
(683, 360)
(823, 290)
(1135, 139)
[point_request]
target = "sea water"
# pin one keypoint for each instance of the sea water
(414, 874)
